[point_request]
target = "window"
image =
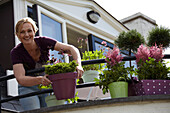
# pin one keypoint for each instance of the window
(53, 29)
(49, 27)
(95, 42)
(30, 12)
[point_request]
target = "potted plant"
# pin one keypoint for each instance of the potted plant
(92, 71)
(129, 41)
(152, 71)
(64, 90)
(63, 78)
(114, 79)
(52, 101)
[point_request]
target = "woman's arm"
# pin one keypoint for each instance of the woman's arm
(70, 49)
(23, 80)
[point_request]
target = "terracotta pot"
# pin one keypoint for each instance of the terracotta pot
(64, 85)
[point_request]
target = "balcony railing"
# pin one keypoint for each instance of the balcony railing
(5, 78)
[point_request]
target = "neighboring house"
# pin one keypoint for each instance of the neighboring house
(63, 20)
(142, 23)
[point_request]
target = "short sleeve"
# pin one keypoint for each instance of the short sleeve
(15, 57)
(46, 42)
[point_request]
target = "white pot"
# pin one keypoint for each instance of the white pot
(88, 76)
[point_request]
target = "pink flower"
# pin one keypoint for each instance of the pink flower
(79, 40)
(113, 56)
(156, 53)
(104, 43)
(86, 40)
(145, 52)
(142, 53)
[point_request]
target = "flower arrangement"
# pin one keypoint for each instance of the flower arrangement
(116, 70)
(150, 63)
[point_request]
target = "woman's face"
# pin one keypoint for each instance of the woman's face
(26, 33)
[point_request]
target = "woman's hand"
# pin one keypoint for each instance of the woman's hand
(45, 81)
(80, 71)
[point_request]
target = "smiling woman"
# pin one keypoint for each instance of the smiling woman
(32, 53)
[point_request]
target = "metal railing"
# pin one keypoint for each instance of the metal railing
(5, 78)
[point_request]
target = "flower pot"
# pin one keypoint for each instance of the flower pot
(64, 85)
(152, 87)
(118, 89)
(88, 76)
(51, 101)
(131, 89)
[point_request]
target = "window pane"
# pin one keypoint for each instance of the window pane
(53, 29)
(99, 47)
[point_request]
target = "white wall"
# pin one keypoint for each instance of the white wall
(12, 85)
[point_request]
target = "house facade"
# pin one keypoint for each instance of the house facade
(142, 23)
(63, 20)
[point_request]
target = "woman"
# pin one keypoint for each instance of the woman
(32, 53)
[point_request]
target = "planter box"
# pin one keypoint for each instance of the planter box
(64, 85)
(152, 87)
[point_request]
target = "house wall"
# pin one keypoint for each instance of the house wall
(74, 13)
(7, 39)
(141, 25)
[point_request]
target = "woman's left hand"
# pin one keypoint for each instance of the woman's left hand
(80, 71)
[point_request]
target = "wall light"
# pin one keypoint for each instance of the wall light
(93, 16)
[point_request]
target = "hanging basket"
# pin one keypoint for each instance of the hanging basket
(64, 85)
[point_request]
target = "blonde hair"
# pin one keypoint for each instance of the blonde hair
(25, 20)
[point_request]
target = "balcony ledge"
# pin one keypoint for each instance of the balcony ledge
(133, 104)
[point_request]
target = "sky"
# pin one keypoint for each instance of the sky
(158, 10)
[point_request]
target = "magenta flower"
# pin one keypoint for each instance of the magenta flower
(142, 53)
(145, 52)
(104, 43)
(156, 53)
(113, 56)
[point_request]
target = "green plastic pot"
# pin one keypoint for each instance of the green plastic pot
(52, 101)
(118, 89)
(88, 76)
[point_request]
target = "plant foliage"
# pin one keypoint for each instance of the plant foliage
(160, 36)
(60, 68)
(116, 70)
(130, 40)
(152, 69)
(150, 64)
(89, 55)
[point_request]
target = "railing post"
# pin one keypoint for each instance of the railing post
(0, 95)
